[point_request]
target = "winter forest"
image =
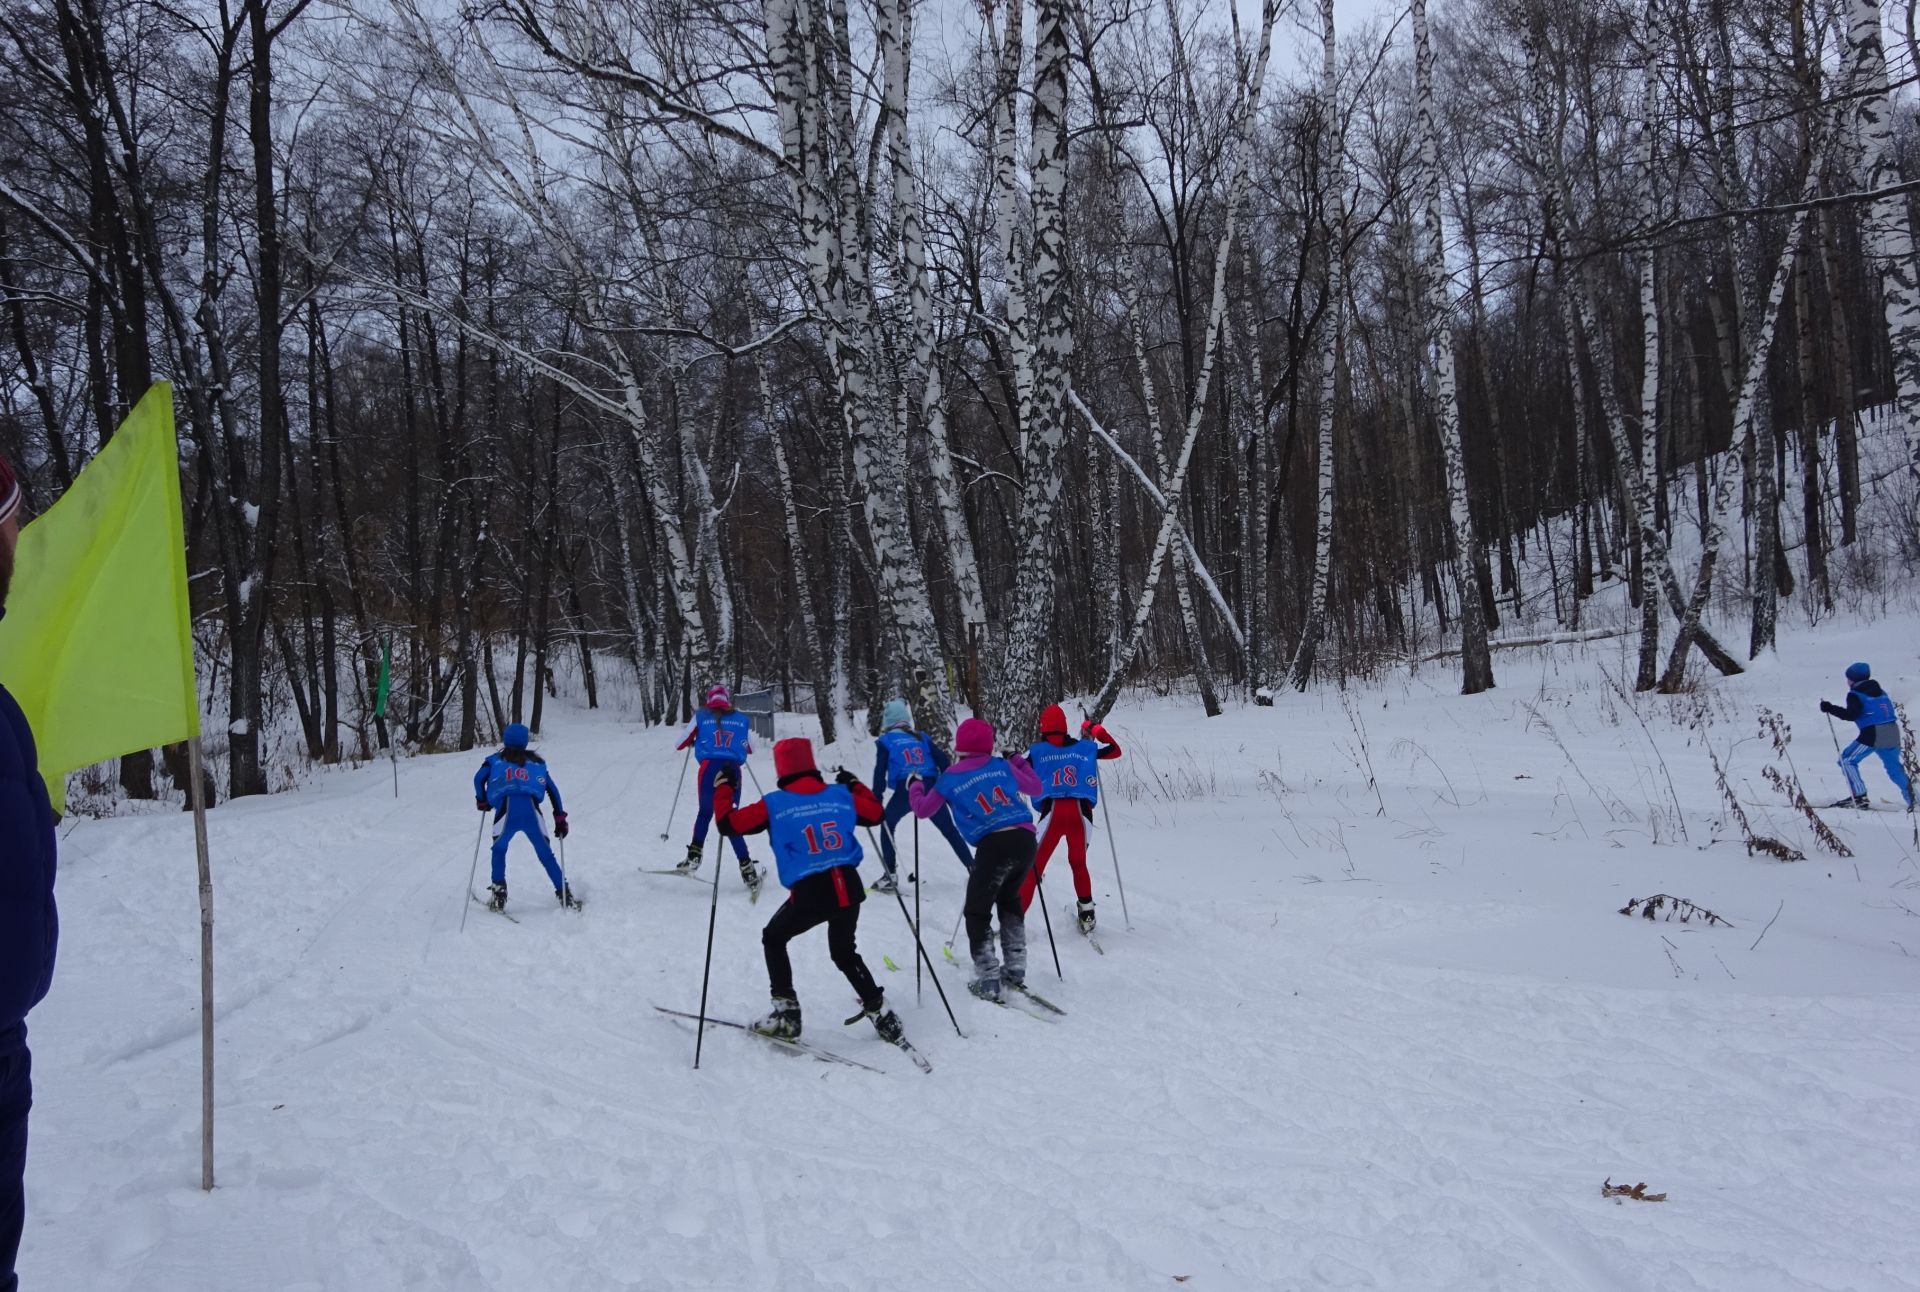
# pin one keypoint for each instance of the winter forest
(980, 355)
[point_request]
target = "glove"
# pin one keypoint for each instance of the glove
(916, 779)
(483, 805)
(1095, 730)
(729, 776)
(559, 825)
(847, 778)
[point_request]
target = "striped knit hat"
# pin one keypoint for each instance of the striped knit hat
(9, 492)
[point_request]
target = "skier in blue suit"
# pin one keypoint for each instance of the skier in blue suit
(511, 785)
(1870, 708)
(903, 753)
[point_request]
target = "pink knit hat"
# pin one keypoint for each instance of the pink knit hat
(718, 697)
(9, 492)
(975, 736)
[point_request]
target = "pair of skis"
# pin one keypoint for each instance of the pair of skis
(807, 1048)
(575, 905)
(754, 885)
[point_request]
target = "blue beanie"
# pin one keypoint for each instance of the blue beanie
(515, 736)
(896, 714)
(1858, 672)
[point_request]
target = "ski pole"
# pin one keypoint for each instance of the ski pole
(916, 903)
(1830, 733)
(1040, 895)
(952, 937)
(706, 971)
(678, 786)
(1106, 818)
(919, 946)
(473, 870)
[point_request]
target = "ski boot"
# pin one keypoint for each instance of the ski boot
(751, 875)
(885, 1021)
(691, 862)
(1086, 915)
(783, 1023)
(496, 897)
(988, 988)
(565, 895)
(887, 883)
(1859, 801)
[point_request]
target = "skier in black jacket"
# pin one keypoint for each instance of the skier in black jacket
(1870, 708)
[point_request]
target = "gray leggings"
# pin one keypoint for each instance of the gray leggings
(1000, 863)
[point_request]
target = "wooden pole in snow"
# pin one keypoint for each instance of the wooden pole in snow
(196, 792)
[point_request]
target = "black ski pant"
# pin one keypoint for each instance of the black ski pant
(1000, 864)
(16, 1097)
(832, 898)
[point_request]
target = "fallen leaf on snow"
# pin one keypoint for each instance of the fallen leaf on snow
(1638, 1192)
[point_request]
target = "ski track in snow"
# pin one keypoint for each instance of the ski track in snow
(1338, 1049)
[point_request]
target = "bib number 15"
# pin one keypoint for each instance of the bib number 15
(824, 838)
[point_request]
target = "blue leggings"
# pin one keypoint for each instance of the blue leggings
(1856, 753)
(522, 816)
(897, 809)
(709, 768)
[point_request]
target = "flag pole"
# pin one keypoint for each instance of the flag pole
(196, 792)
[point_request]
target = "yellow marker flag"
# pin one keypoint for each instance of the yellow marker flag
(97, 642)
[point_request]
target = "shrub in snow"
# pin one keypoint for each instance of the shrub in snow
(1651, 907)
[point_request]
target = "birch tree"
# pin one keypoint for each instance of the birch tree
(1888, 231)
(1476, 660)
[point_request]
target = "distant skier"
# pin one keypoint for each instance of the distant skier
(813, 826)
(984, 792)
(721, 737)
(903, 752)
(1871, 709)
(1068, 769)
(511, 785)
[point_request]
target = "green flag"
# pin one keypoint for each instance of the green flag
(97, 643)
(386, 677)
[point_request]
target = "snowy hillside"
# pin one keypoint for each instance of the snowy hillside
(1387, 1037)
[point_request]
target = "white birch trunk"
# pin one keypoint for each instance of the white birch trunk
(811, 95)
(1475, 659)
(1010, 230)
(893, 32)
(1301, 671)
(1888, 232)
(1726, 487)
(1045, 428)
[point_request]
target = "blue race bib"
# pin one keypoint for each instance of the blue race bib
(722, 736)
(1067, 771)
(812, 832)
(908, 754)
(985, 799)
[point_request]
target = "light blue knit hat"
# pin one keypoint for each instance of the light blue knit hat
(896, 714)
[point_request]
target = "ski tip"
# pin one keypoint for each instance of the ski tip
(888, 962)
(947, 951)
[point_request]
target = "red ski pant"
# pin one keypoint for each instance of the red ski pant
(1063, 822)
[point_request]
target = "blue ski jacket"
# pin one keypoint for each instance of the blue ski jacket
(515, 773)
(29, 921)
(1871, 708)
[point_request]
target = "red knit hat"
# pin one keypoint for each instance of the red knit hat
(9, 492)
(1053, 721)
(793, 757)
(718, 697)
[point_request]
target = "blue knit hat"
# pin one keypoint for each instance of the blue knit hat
(1858, 672)
(515, 736)
(896, 714)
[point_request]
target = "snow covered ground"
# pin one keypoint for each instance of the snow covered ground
(1357, 1037)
